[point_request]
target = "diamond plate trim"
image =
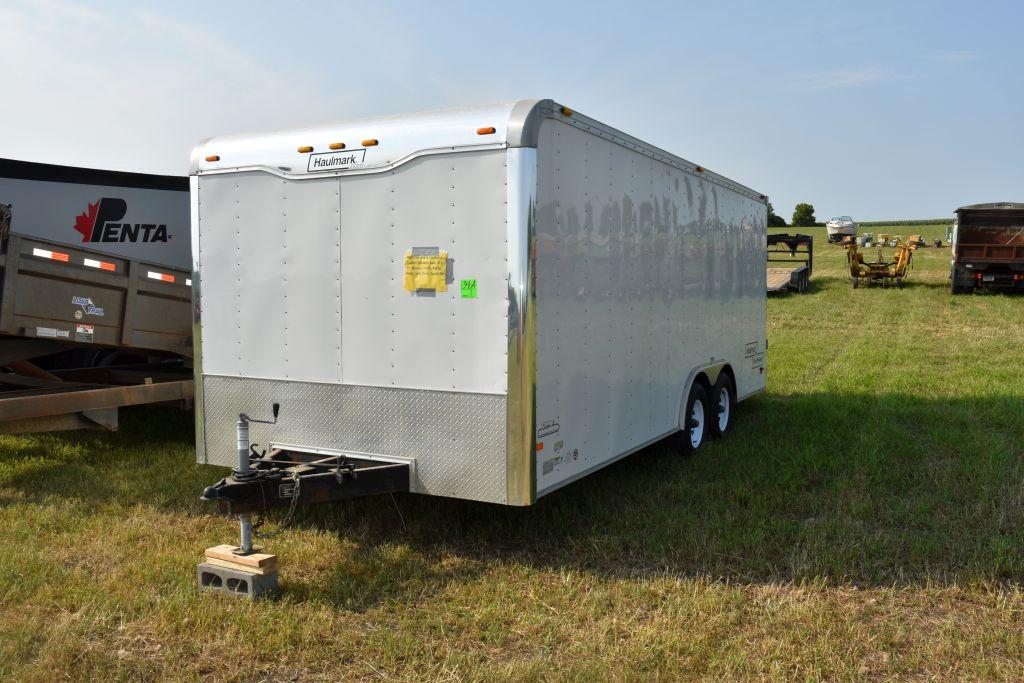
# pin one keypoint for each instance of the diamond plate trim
(458, 439)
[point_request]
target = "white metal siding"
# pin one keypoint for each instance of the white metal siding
(271, 289)
(644, 272)
(303, 305)
(391, 337)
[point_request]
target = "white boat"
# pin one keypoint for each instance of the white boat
(839, 227)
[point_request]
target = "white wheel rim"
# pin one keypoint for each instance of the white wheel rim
(723, 409)
(696, 423)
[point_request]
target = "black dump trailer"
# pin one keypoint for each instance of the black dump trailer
(95, 295)
(988, 247)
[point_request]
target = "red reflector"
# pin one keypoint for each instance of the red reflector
(153, 275)
(57, 256)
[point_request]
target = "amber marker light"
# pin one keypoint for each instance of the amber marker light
(305, 149)
(213, 157)
(372, 142)
(487, 130)
(566, 111)
(337, 145)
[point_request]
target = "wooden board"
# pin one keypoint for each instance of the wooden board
(226, 553)
(778, 278)
(243, 568)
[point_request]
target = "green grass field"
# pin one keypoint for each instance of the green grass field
(863, 520)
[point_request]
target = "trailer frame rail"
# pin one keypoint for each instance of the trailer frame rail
(285, 478)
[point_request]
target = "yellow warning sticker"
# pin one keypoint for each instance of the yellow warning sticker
(426, 271)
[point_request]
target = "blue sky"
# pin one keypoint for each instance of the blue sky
(875, 109)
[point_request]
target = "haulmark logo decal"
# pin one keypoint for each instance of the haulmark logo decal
(328, 161)
(102, 222)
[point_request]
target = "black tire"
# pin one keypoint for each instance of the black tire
(694, 433)
(954, 287)
(723, 406)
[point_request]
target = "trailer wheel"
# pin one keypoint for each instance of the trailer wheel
(695, 421)
(723, 404)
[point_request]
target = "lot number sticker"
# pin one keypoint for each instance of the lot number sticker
(468, 288)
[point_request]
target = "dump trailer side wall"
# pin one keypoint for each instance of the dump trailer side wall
(303, 305)
(645, 274)
(128, 215)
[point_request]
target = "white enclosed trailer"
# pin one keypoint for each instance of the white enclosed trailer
(496, 300)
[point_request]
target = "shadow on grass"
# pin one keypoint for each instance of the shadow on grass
(867, 489)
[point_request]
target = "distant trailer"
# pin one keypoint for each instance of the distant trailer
(797, 253)
(484, 303)
(988, 248)
(95, 295)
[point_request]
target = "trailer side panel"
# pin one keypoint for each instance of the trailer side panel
(645, 274)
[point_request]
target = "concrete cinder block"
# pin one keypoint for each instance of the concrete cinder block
(236, 582)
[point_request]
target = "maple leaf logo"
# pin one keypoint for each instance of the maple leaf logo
(84, 222)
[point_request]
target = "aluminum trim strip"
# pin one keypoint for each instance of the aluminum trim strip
(197, 335)
(521, 477)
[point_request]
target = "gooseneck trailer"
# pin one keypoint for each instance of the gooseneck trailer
(484, 303)
(95, 295)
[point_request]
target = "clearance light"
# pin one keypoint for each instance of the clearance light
(188, 282)
(153, 275)
(213, 157)
(540, 446)
(305, 149)
(372, 142)
(566, 111)
(55, 255)
(699, 169)
(102, 265)
(489, 130)
(337, 145)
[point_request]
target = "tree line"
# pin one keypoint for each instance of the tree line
(803, 217)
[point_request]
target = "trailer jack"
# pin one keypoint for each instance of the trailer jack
(282, 478)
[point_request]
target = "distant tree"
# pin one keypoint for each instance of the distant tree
(803, 216)
(775, 221)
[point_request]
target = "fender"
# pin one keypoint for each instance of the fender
(712, 370)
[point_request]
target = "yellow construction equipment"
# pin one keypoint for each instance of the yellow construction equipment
(881, 271)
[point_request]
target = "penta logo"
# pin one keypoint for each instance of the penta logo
(102, 223)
